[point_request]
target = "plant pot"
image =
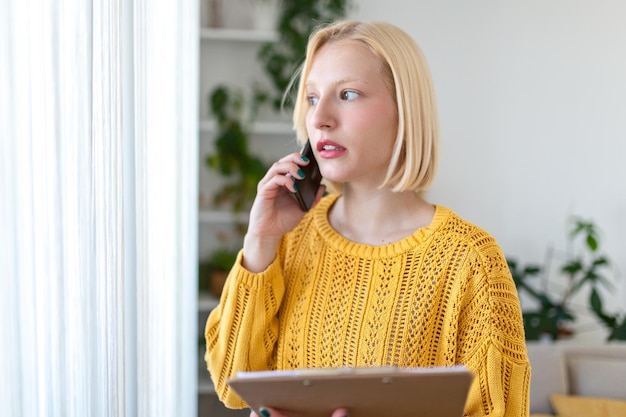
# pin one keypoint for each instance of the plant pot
(265, 14)
(212, 13)
(218, 279)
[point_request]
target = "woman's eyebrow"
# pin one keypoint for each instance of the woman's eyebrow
(338, 82)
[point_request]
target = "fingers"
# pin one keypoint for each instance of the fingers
(284, 171)
(341, 412)
(270, 412)
(291, 166)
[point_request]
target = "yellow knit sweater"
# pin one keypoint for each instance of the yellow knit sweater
(442, 296)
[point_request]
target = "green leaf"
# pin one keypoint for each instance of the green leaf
(601, 261)
(619, 331)
(219, 102)
(532, 270)
(572, 267)
(592, 243)
(595, 301)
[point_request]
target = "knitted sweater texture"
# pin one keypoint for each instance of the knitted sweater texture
(440, 297)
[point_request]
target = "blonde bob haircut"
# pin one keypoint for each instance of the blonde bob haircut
(402, 64)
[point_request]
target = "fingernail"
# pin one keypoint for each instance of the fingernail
(300, 173)
(264, 412)
(295, 186)
(304, 158)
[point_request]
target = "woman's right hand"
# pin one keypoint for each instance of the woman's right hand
(274, 212)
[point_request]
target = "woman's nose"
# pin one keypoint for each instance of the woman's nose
(323, 114)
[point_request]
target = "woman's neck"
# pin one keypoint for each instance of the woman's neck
(379, 217)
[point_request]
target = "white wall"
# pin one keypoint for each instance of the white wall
(532, 100)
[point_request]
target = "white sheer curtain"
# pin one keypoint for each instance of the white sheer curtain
(98, 218)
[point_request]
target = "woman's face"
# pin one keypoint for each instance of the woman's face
(352, 117)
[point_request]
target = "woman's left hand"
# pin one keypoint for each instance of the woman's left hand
(271, 412)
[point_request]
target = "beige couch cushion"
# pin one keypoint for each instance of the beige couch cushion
(592, 376)
(547, 376)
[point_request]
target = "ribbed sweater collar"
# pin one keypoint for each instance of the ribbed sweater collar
(320, 221)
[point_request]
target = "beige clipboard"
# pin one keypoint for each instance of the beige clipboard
(366, 392)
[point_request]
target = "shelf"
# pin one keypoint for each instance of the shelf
(207, 302)
(241, 35)
(205, 388)
(205, 385)
(260, 128)
(221, 216)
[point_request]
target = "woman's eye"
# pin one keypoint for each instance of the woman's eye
(349, 95)
(312, 100)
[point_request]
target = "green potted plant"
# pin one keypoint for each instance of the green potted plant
(615, 323)
(240, 169)
(232, 158)
(583, 266)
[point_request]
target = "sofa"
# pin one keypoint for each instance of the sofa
(577, 380)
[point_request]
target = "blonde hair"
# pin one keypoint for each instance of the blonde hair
(415, 155)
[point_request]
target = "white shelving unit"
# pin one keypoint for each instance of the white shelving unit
(221, 217)
(228, 56)
(258, 128)
(238, 35)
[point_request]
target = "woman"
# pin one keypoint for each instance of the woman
(372, 275)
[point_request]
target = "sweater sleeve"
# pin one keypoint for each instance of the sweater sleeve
(241, 332)
(494, 343)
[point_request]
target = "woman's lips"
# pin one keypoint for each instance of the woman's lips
(328, 149)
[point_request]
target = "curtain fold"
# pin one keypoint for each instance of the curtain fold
(166, 108)
(98, 218)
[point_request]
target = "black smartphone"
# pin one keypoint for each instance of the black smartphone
(308, 186)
